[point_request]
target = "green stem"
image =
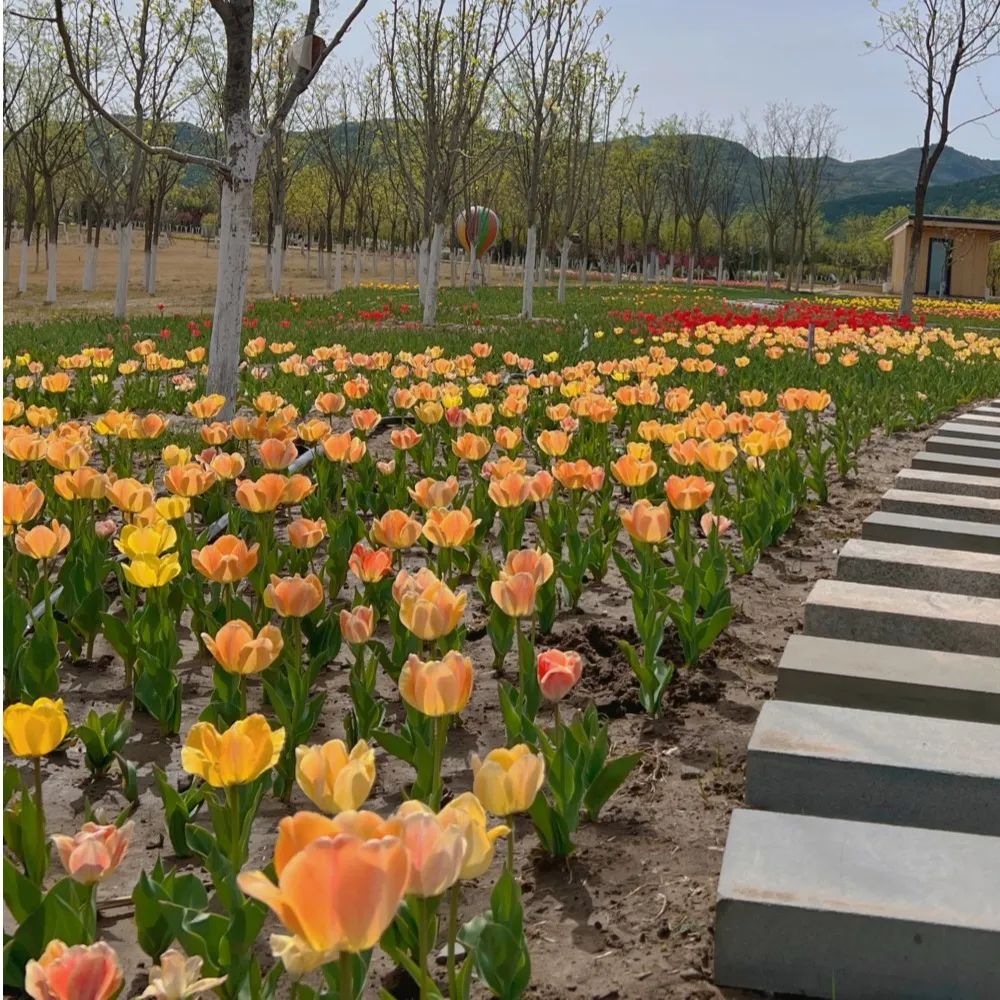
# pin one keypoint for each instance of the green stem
(452, 937)
(38, 791)
(440, 739)
(511, 822)
(236, 824)
(422, 948)
(346, 976)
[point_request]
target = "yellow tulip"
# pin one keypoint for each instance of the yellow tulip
(507, 781)
(334, 779)
(37, 729)
(142, 542)
(152, 571)
(237, 756)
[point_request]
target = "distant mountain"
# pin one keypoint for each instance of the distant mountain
(977, 196)
(898, 171)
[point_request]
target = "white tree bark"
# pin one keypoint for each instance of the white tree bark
(563, 267)
(338, 269)
(392, 268)
(22, 269)
(151, 268)
(124, 259)
(472, 267)
(51, 254)
(357, 266)
(433, 275)
(234, 261)
(89, 268)
(277, 259)
(670, 266)
(422, 253)
(528, 285)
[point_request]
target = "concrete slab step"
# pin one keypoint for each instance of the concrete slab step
(960, 446)
(918, 567)
(875, 767)
(933, 532)
(983, 419)
(924, 619)
(979, 432)
(890, 679)
(946, 505)
(962, 464)
(833, 908)
(929, 481)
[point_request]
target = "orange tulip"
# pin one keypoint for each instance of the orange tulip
(262, 495)
(83, 972)
(129, 495)
(370, 565)
(646, 522)
(753, 398)
(276, 455)
(449, 529)
(344, 448)
(632, 472)
(396, 529)
(357, 624)
(405, 438)
(470, 447)
(95, 852)
(365, 421)
(684, 452)
(206, 407)
(304, 533)
(64, 454)
(330, 402)
(714, 522)
(21, 503)
(59, 382)
(238, 651)
(437, 687)
(429, 412)
(818, 401)
(268, 402)
(716, 457)
(313, 430)
(215, 434)
(190, 480)
(554, 443)
(516, 594)
(579, 475)
(428, 607)
(24, 446)
(508, 438)
(537, 564)
(436, 850)
(688, 492)
(558, 672)
(294, 596)
(540, 486)
(43, 541)
(511, 490)
(434, 492)
(227, 465)
(226, 560)
(297, 488)
(338, 894)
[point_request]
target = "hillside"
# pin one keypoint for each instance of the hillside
(972, 196)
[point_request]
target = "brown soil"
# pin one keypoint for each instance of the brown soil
(631, 914)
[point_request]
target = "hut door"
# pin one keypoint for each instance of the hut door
(939, 267)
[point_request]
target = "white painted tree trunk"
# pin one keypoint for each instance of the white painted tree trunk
(124, 259)
(563, 267)
(472, 267)
(392, 268)
(235, 218)
(151, 272)
(422, 254)
(89, 268)
(321, 264)
(51, 254)
(528, 285)
(22, 269)
(433, 275)
(670, 266)
(277, 259)
(338, 269)
(357, 267)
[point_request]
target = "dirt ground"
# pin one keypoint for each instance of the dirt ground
(630, 915)
(186, 277)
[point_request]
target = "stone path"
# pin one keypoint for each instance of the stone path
(868, 863)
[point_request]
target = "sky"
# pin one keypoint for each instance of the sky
(726, 57)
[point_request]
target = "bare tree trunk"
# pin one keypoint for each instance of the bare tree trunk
(338, 269)
(563, 267)
(51, 255)
(277, 257)
(357, 265)
(124, 259)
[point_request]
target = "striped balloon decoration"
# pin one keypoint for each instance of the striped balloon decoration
(481, 232)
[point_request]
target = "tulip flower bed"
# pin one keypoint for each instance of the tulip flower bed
(280, 687)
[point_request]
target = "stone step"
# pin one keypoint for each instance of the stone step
(983, 419)
(933, 532)
(925, 619)
(979, 432)
(960, 446)
(929, 481)
(918, 567)
(875, 767)
(964, 465)
(946, 505)
(890, 679)
(833, 908)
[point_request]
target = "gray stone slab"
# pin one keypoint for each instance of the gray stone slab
(978, 432)
(866, 911)
(983, 419)
(961, 464)
(890, 679)
(875, 767)
(946, 505)
(964, 447)
(860, 612)
(918, 567)
(929, 481)
(933, 532)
